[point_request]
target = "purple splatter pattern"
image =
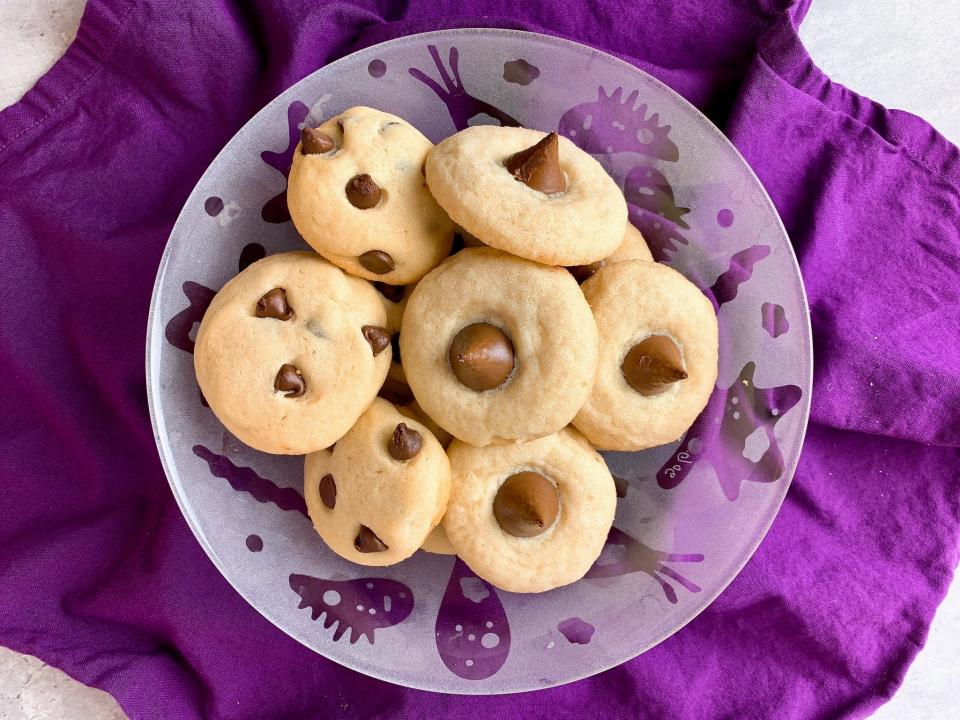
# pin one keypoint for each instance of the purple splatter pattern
(377, 68)
(654, 211)
(623, 554)
(648, 188)
(250, 254)
(254, 543)
(725, 287)
(774, 319)
(178, 328)
(361, 606)
(576, 630)
(473, 635)
(662, 236)
(246, 480)
(275, 209)
(213, 206)
(462, 106)
(612, 124)
(520, 72)
(719, 435)
(725, 218)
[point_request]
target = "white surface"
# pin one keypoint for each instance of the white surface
(901, 54)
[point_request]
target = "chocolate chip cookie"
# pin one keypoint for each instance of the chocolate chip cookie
(533, 194)
(658, 362)
(357, 194)
(377, 495)
(497, 348)
(290, 353)
(531, 516)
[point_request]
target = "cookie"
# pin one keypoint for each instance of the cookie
(531, 516)
(394, 299)
(633, 247)
(291, 351)
(395, 388)
(658, 356)
(377, 495)
(438, 543)
(357, 194)
(497, 348)
(413, 410)
(531, 194)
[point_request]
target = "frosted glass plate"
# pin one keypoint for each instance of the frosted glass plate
(691, 514)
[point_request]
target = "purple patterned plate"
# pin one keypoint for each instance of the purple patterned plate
(690, 514)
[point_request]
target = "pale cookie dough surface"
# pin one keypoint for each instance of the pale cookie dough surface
(399, 500)
(438, 543)
(633, 247)
(467, 176)
(407, 223)
(548, 321)
(238, 355)
(564, 552)
(632, 300)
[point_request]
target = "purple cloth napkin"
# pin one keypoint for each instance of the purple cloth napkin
(99, 574)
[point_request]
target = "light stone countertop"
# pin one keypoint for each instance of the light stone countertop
(901, 54)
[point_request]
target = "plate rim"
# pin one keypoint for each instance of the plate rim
(734, 569)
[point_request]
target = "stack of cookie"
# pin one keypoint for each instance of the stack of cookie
(501, 368)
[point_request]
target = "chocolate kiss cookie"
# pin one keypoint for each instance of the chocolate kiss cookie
(530, 516)
(658, 362)
(532, 194)
(497, 348)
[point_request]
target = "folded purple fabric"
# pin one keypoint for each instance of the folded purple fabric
(99, 574)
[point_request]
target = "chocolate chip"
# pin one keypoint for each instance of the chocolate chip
(405, 443)
(526, 504)
(313, 141)
(377, 261)
(290, 381)
(274, 305)
(328, 491)
(363, 192)
(653, 365)
(378, 338)
(393, 293)
(582, 273)
(481, 356)
(538, 167)
(368, 542)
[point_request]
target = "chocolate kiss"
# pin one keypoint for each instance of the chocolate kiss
(538, 167)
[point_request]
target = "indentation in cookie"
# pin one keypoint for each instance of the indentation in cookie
(526, 504)
(653, 365)
(538, 166)
(481, 356)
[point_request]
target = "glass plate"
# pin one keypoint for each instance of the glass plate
(691, 514)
